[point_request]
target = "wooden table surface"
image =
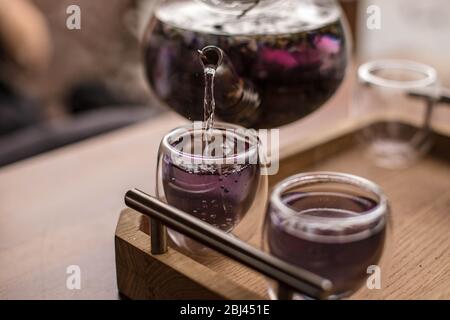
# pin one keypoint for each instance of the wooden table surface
(61, 208)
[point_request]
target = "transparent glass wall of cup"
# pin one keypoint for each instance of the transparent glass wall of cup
(218, 181)
(385, 96)
(333, 224)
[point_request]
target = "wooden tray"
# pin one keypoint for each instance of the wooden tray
(420, 199)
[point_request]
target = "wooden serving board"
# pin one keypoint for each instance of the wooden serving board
(420, 246)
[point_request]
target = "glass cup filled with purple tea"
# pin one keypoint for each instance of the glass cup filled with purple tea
(213, 174)
(332, 224)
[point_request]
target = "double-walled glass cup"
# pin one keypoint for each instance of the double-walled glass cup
(332, 224)
(215, 175)
(389, 95)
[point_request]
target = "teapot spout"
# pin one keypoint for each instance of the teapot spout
(211, 56)
(236, 99)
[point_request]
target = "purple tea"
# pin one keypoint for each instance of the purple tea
(293, 60)
(341, 254)
(217, 193)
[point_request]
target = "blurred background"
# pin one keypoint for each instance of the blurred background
(60, 86)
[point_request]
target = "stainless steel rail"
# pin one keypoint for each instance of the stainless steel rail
(290, 278)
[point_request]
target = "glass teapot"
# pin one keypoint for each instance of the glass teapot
(282, 59)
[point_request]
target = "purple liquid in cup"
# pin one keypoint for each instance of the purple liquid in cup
(221, 199)
(339, 254)
(216, 192)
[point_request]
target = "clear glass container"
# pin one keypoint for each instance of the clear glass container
(219, 182)
(389, 95)
(289, 56)
(333, 224)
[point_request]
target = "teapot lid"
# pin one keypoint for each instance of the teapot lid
(279, 17)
